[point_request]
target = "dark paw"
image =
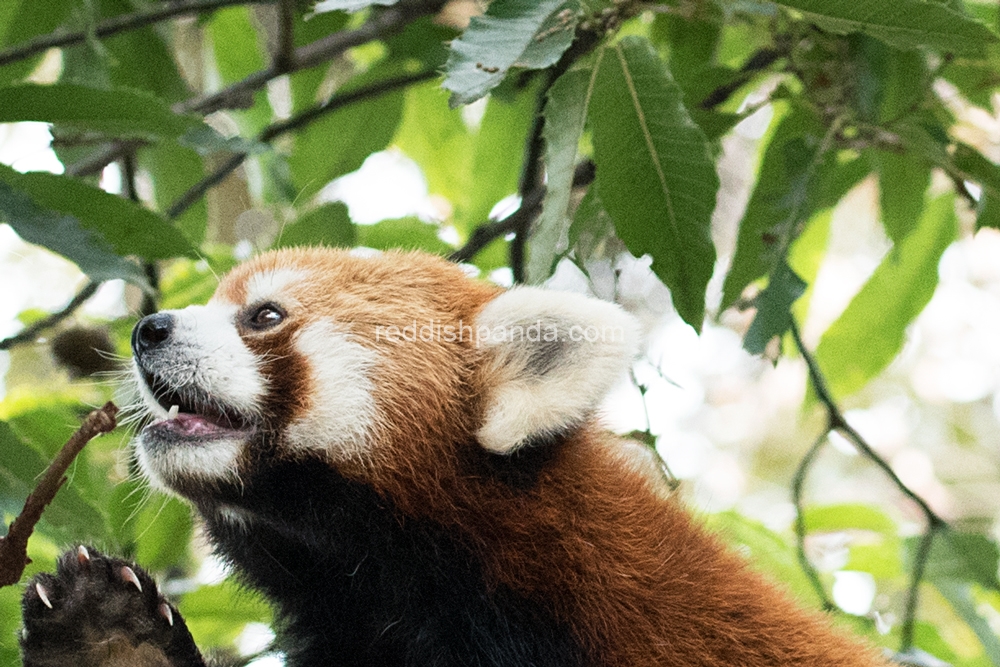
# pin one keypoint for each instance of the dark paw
(97, 611)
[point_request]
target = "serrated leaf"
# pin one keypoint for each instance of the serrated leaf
(905, 24)
(327, 225)
(348, 5)
(495, 41)
(126, 226)
(118, 111)
(565, 115)
(774, 309)
(654, 172)
(870, 332)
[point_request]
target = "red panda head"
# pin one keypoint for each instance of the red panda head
(366, 362)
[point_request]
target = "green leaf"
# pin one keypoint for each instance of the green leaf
(341, 141)
(905, 24)
(174, 168)
(126, 226)
(217, 614)
(959, 595)
(20, 20)
(163, 533)
(497, 40)
(870, 332)
(774, 309)
(118, 111)
(654, 172)
(903, 178)
(69, 514)
(565, 115)
(975, 167)
(847, 516)
(962, 556)
(591, 228)
(406, 233)
(63, 234)
(438, 140)
(327, 225)
(795, 181)
(496, 163)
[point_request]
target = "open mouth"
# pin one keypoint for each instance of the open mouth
(191, 414)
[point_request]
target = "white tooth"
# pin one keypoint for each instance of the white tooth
(172, 413)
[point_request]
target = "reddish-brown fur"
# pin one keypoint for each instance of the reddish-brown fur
(596, 540)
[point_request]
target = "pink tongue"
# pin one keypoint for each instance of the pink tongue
(189, 424)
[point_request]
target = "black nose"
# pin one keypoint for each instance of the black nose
(151, 331)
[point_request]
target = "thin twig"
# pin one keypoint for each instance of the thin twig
(798, 483)
(117, 24)
(284, 58)
(491, 230)
(298, 121)
(837, 422)
(30, 333)
(14, 547)
(381, 25)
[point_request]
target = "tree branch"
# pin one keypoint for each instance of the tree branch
(284, 58)
(118, 24)
(798, 482)
(381, 25)
(531, 204)
(29, 333)
(195, 192)
(14, 547)
(837, 422)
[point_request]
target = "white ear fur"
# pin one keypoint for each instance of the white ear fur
(552, 356)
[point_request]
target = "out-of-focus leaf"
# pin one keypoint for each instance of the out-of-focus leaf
(768, 552)
(174, 169)
(847, 516)
(239, 50)
(774, 304)
(905, 24)
(217, 614)
(976, 167)
(890, 82)
(328, 225)
(870, 332)
(496, 164)
(962, 556)
(438, 140)
(348, 5)
(806, 256)
(565, 114)
(795, 181)
(903, 180)
(654, 172)
(163, 533)
(127, 227)
(960, 597)
(20, 465)
(497, 40)
(405, 233)
(305, 83)
(118, 111)
(20, 20)
(591, 227)
(341, 141)
(65, 235)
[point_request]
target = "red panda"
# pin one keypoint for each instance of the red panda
(406, 462)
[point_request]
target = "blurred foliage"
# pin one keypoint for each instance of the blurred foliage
(528, 93)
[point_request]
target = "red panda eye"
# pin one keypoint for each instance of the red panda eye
(266, 316)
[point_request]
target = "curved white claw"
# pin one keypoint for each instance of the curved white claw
(82, 555)
(128, 574)
(166, 613)
(43, 595)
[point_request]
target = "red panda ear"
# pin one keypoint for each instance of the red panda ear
(551, 358)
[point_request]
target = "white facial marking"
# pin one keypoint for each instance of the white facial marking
(554, 355)
(343, 408)
(210, 462)
(270, 285)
